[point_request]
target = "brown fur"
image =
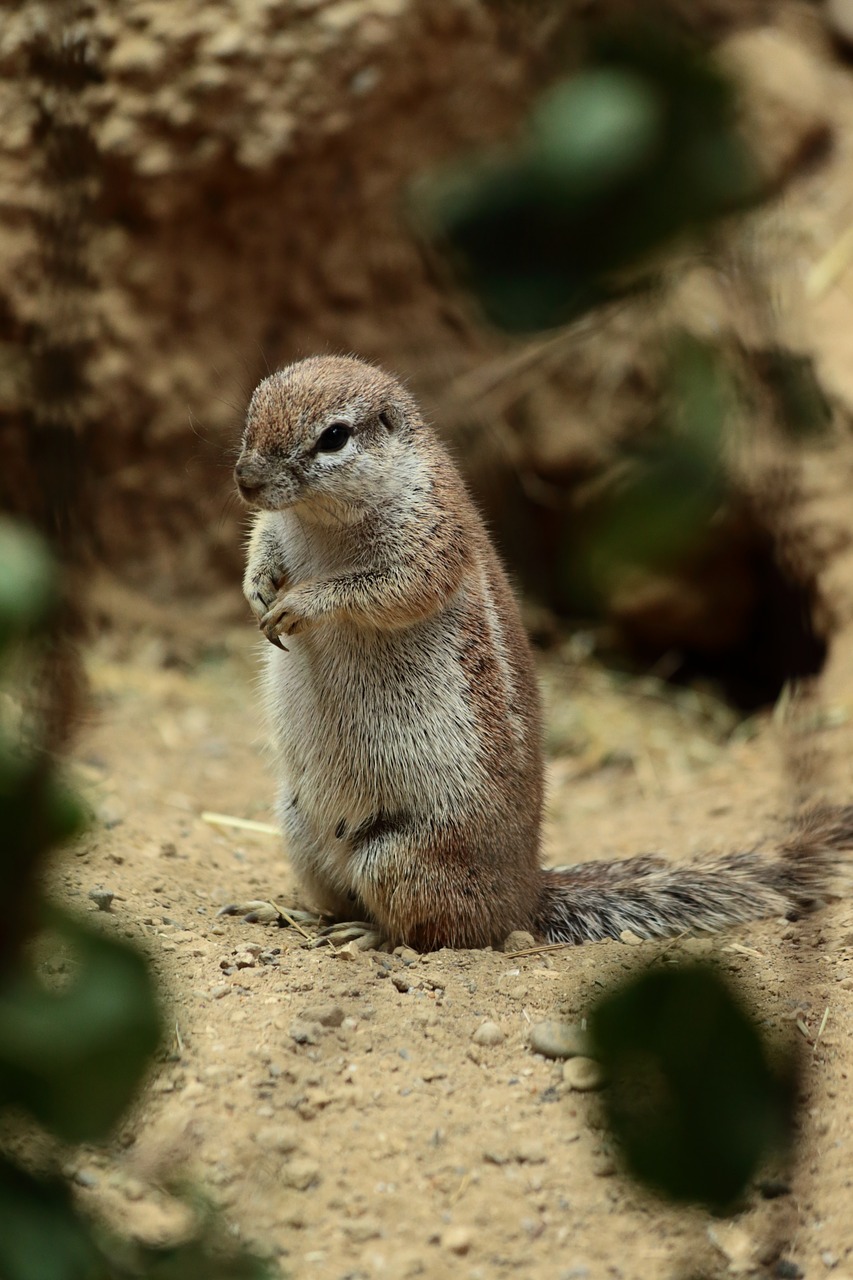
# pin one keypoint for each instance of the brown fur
(420, 808)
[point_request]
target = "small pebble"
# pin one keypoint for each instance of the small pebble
(519, 940)
(219, 992)
(488, 1033)
(558, 1039)
(351, 951)
(305, 1032)
(300, 1174)
(84, 1178)
(583, 1074)
(630, 938)
(328, 1015)
(103, 898)
(278, 1137)
(457, 1240)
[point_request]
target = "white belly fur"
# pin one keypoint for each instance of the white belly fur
(367, 722)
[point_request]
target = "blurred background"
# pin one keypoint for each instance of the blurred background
(195, 193)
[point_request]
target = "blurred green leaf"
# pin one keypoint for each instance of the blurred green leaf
(41, 1235)
(595, 130)
(616, 161)
(196, 1260)
(28, 581)
(37, 812)
(662, 506)
(693, 1100)
(74, 1058)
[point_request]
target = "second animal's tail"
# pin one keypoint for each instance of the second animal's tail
(657, 899)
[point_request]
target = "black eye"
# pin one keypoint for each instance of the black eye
(334, 438)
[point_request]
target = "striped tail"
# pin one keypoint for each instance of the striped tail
(657, 899)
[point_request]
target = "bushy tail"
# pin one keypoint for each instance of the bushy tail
(657, 899)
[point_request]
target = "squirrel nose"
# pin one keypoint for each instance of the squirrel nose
(247, 476)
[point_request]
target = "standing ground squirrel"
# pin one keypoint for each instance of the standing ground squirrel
(403, 700)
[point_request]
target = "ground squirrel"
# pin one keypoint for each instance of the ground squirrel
(403, 697)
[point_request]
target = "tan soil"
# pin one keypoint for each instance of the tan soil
(391, 1145)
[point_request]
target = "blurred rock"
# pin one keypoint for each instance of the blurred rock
(785, 99)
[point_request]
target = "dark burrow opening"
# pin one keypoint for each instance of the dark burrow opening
(740, 607)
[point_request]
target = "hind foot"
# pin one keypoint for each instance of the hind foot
(268, 912)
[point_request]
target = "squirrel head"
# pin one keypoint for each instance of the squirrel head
(325, 434)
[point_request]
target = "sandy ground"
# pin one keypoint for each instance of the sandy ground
(335, 1104)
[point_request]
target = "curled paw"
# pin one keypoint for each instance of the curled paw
(261, 590)
(282, 618)
(365, 935)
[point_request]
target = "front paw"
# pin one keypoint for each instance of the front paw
(261, 592)
(288, 614)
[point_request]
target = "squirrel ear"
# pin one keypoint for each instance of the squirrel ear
(389, 419)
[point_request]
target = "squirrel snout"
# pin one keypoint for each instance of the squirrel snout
(248, 477)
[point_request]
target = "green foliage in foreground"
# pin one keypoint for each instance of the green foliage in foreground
(616, 161)
(73, 1053)
(695, 1099)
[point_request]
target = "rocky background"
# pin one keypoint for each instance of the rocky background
(237, 176)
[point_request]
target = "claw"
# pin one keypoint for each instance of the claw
(364, 935)
(272, 637)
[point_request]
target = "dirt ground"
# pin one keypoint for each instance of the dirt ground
(334, 1103)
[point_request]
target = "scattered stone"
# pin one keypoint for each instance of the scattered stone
(401, 982)
(787, 1270)
(407, 954)
(603, 1166)
(558, 1039)
(519, 940)
(111, 814)
(300, 1174)
(520, 1153)
(278, 1137)
(846, 984)
(583, 1074)
(351, 951)
(84, 1178)
(328, 1015)
(361, 1231)
(457, 1240)
(103, 898)
(738, 1248)
(488, 1033)
(630, 938)
(305, 1032)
